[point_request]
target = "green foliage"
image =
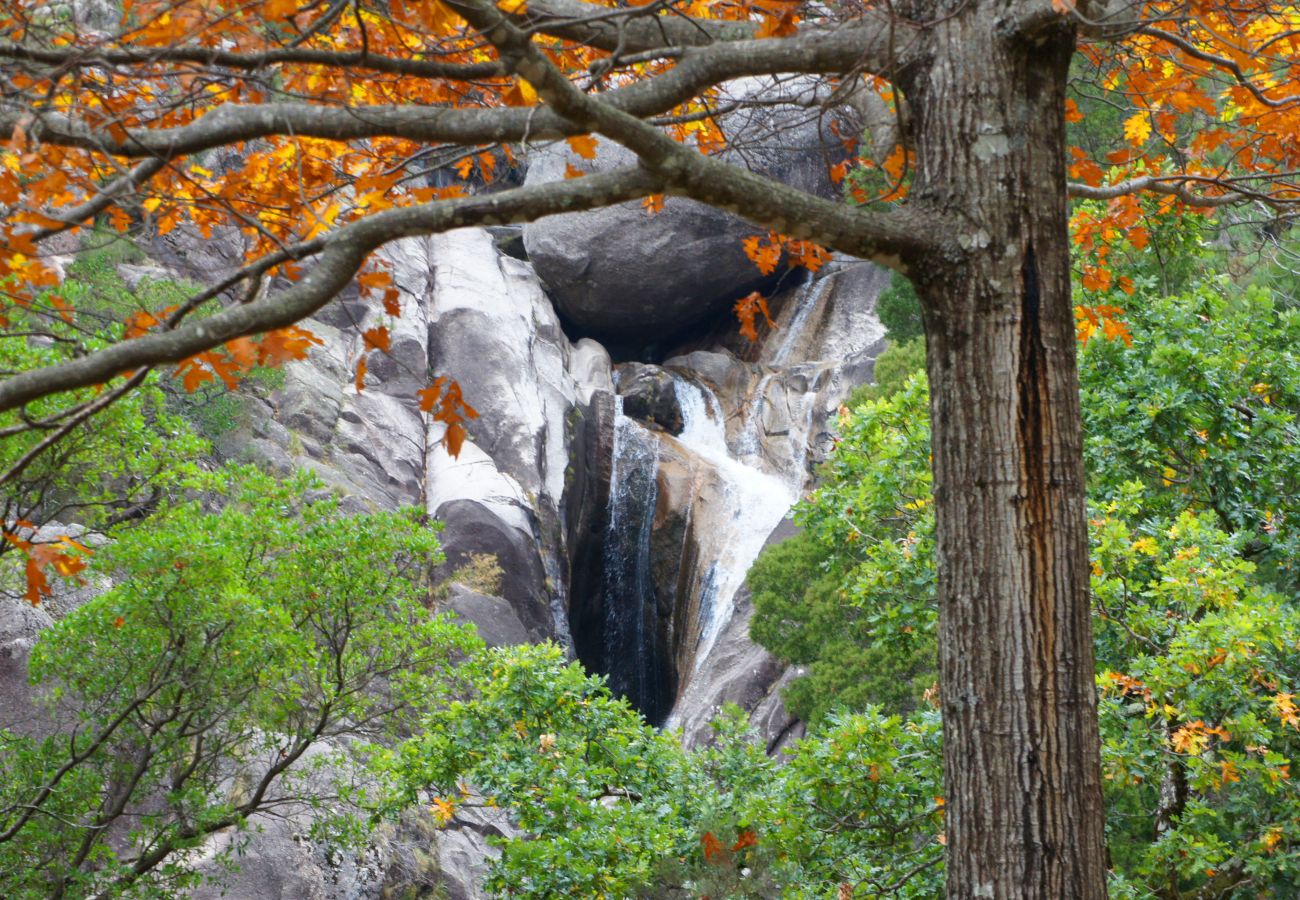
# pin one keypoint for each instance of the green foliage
(802, 615)
(852, 598)
(200, 688)
(892, 369)
(899, 309)
(98, 292)
(615, 808)
(1197, 668)
(103, 300)
(1205, 421)
(117, 465)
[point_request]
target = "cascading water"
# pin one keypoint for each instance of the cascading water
(749, 446)
(753, 503)
(669, 580)
(635, 656)
(808, 300)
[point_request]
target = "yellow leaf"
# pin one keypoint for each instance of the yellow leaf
(442, 810)
(1145, 545)
(1137, 128)
(520, 94)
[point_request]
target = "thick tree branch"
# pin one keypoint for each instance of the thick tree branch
(608, 29)
(889, 238)
(343, 253)
(66, 59)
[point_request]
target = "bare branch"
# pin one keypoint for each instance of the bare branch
(1177, 186)
(866, 46)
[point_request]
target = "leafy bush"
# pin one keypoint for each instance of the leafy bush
(216, 680)
(615, 808)
(899, 309)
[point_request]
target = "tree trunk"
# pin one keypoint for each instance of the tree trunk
(1021, 761)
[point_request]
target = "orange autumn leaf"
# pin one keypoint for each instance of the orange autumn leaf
(712, 846)
(193, 374)
(747, 310)
(375, 278)
(243, 352)
(763, 252)
(359, 380)
(445, 402)
(377, 338)
(65, 556)
(521, 93)
(286, 344)
(392, 302)
(653, 204)
(584, 145)
(746, 839)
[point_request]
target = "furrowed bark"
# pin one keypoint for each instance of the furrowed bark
(1021, 769)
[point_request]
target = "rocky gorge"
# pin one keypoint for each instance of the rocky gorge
(632, 455)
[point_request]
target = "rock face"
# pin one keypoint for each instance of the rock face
(480, 317)
(631, 278)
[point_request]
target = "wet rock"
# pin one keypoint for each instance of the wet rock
(650, 397)
(737, 671)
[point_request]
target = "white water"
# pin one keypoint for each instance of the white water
(808, 300)
(753, 503)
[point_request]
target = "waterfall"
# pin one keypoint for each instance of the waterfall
(660, 623)
(635, 657)
(753, 503)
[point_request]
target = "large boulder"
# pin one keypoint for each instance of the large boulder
(630, 277)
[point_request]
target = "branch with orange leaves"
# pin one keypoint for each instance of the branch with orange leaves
(830, 51)
(890, 238)
(337, 257)
(1198, 52)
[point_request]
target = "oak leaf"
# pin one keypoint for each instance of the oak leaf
(747, 309)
